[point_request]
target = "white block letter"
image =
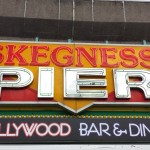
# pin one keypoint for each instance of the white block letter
(123, 85)
(24, 77)
(46, 82)
(72, 83)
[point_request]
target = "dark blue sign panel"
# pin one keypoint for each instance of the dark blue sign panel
(74, 130)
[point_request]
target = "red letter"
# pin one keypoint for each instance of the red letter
(12, 54)
(68, 58)
(128, 57)
(36, 54)
(1, 55)
(105, 56)
(90, 59)
(145, 57)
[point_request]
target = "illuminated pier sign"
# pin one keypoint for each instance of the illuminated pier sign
(74, 76)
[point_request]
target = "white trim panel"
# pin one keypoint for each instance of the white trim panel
(75, 147)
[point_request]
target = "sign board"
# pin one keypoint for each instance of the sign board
(74, 130)
(74, 76)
